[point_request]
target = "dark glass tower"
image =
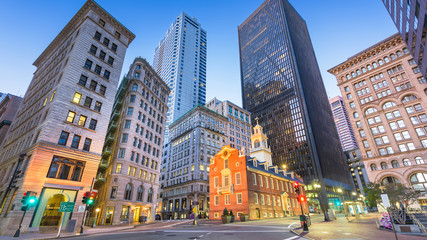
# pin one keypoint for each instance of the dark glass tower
(283, 88)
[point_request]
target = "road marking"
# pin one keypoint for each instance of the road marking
(209, 233)
(200, 236)
(291, 238)
(292, 224)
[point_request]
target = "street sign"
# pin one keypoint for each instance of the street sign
(66, 207)
(386, 201)
(81, 208)
(194, 209)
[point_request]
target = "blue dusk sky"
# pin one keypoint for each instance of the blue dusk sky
(338, 30)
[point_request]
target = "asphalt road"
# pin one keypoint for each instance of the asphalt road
(207, 230)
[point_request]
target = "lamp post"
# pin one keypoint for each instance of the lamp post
(96, 216)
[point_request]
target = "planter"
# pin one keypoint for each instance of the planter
(232, 218)
(225, 219)
(244, 218)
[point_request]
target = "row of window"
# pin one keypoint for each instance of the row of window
(106, 41)
(128, 193)
(93, 85)
(77, 99)
(82, 120)
(93, 49)
(63, 138)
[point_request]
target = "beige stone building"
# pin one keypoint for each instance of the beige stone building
(238, 128)
(386, 96)
(128, 177)
(57, 137)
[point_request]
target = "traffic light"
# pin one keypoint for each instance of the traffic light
(302, 199)
(28, 200)
(15, 177)
(89, 198)
(296, 187)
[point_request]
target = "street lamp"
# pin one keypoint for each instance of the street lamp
(284, 166)
(96, 216)
(339, 190)
(354, 194)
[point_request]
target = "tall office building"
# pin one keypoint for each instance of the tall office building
(387, 98)
(238, 128)
(410, 18)
(129, 172)
(194, 139)
(8, 107)
(180, 60)
(342, 123)
(57, 137)
(283, 88)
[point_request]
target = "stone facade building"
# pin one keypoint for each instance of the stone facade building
(128, 177)
(8, 107)
(57, 137)
(238, 129)
(194, 139)
(252, 186)
(386, 96)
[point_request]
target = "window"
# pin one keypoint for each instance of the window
(124, 138)
(106, 42)
(226, 163)
(88, 102)
(93, 85)
(406, 162)
(77, 97)
(101, 22)
(98, 69)
(403, 148)
(102, 55)
(83, 80)
(97, 36)
(121, 153)
(118, 168)
(389, 180)
(216, 182)
(384, 165)
(388, 105)
(128, 192)
(117, 34)
(227, 199)
(419, 182)
(92, 124)
(98, 106)
(93, 49)
(150, 195)
(216, 200)
(107, 74)
(110, 60)
(102, 89)
(256, 198)
(86, 145)
(355, 115)
(63, 138)
(420, 132)
(76, 141)
(268, 200)
(374, 167)
(70, 117)
(419, 160)
(238, 180)
(82, 120)
(113, 193)
(239, 198)
(394, 164)
(140, 193)
(253, 178)
(88, 64)
(262, 199)
(66, 169)
(409, 98)
(370, 110)
(114, 47)
(132, 98)
(127, 124)
(129, 111)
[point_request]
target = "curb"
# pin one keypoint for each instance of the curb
(294, 232)
(88, 234)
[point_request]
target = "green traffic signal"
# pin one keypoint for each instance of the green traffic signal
(89, 201)
(32, 200)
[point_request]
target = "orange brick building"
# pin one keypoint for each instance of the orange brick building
(251, 186)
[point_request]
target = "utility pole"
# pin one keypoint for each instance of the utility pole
(80, 231)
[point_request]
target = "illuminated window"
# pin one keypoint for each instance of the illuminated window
(77, 97)
(71, 116)
(82, 120)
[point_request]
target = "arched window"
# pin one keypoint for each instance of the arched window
(419, 160)
(374, 64)
(389, 180)
(395, 164)
(425, 91)
(380, 62)
(134, 87)
(405, 50)
(392, 56)
(358, 72)
(353, 74)
(140, 194)
(386, 59)
(363, 69)
(388, 105)
(150, 195)
(384, 165)
(355, 115)
(128, 191)
(399, 53)
(419, 182)
(369, 67)
(256, 144)
(406, 162)
(374, 167)
(409, 98)
(348, 76)
(370, 110)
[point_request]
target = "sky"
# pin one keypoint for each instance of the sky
(338, 30)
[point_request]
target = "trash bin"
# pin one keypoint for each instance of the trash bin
(71, 225)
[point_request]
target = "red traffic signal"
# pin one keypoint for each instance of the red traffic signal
(302, 199)
(296, 184)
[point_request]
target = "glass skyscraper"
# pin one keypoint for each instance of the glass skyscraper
(180, 60)
(283, 89)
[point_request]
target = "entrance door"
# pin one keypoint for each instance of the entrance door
(109, 216)
(51, 217)
(136, 213)
(257, 213)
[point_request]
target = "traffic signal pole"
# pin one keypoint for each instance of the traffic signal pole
(20, 224)
(80, 231)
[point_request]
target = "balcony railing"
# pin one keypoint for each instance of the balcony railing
(225, 189)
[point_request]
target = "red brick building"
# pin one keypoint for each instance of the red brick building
(248, 185)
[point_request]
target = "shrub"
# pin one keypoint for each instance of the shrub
(225, 212)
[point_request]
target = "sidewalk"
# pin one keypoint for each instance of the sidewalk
(362, 228)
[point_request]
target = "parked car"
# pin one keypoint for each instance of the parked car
(158, 217)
